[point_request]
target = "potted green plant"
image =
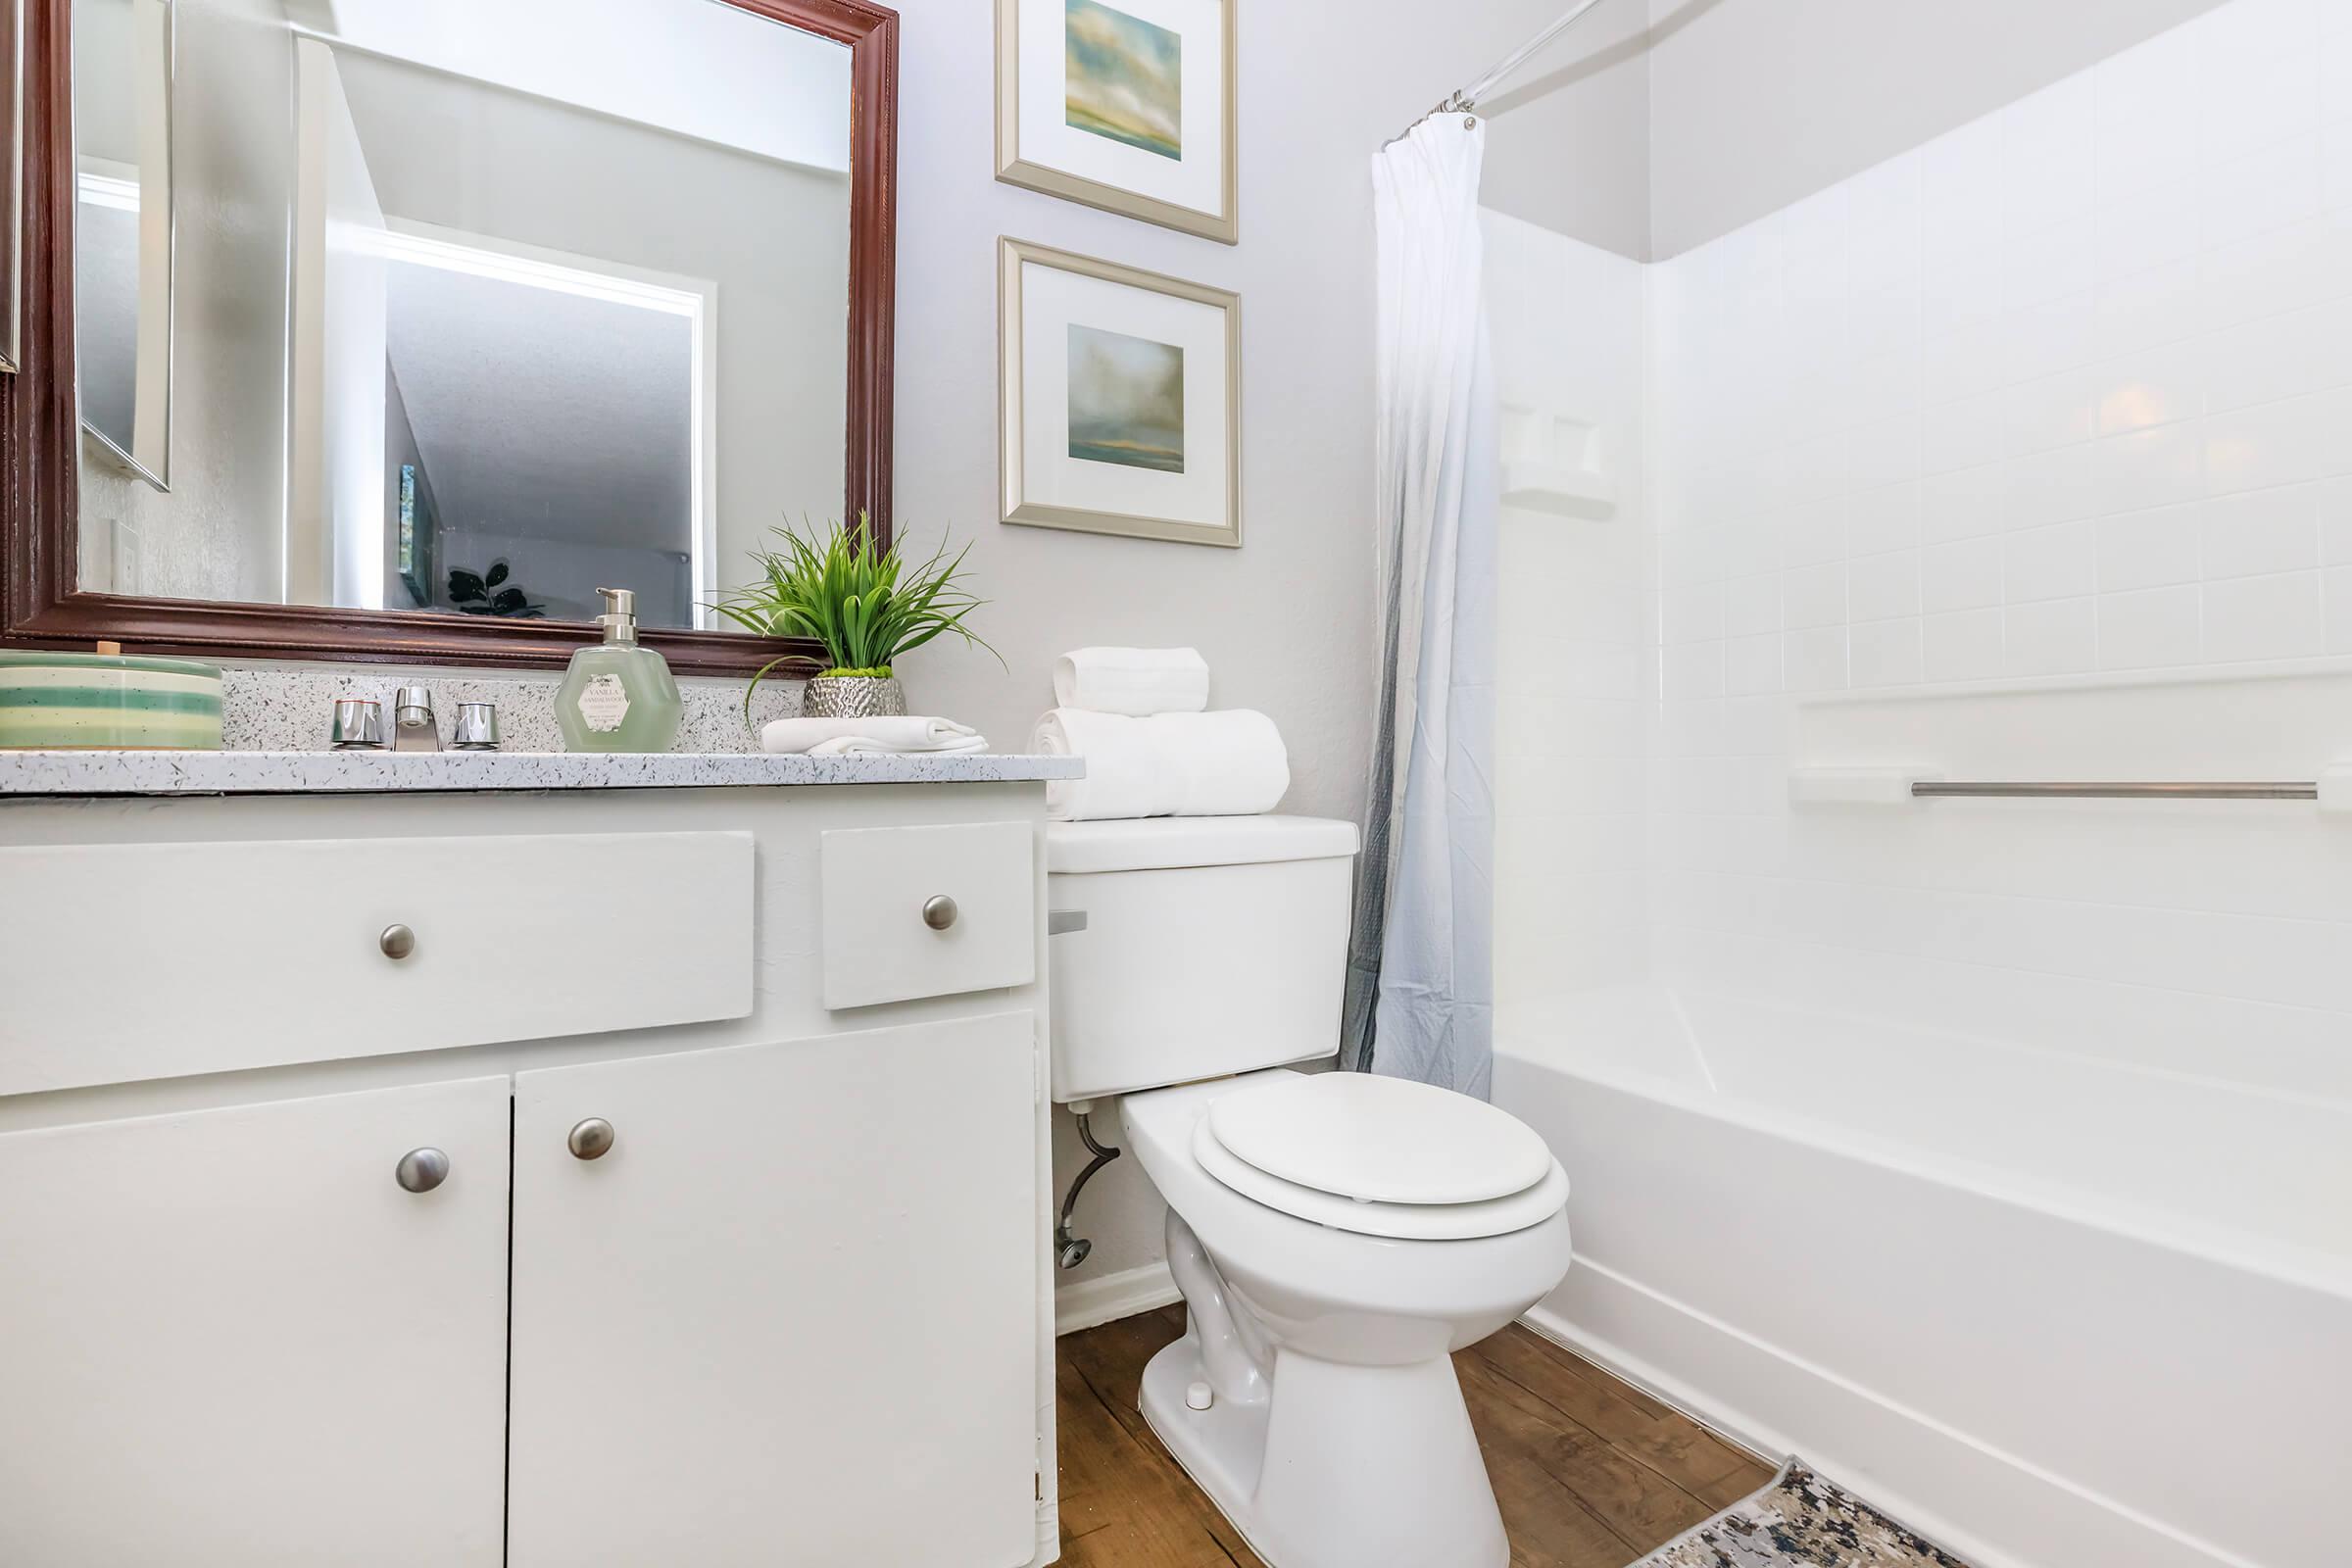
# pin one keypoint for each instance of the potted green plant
(868, 607)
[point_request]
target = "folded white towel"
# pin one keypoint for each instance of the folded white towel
(1135, 681)
(835, 736)
(1227, 764)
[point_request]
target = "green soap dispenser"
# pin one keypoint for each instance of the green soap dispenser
(618, 696)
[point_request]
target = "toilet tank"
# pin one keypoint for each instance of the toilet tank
(1212, 944)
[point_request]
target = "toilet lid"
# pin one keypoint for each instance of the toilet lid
(1408, 1222)
(1380, 1139)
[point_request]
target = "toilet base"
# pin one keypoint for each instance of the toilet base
(1340, 1466)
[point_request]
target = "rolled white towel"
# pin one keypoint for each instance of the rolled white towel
(833, 737)
(1135, 681)
(1231, 763)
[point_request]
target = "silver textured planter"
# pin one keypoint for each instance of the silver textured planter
(853, 697)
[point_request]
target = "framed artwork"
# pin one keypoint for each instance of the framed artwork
(1126, 105)
(1121, 399)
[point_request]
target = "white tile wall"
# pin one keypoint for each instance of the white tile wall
(1585, 643)
(2065, 392)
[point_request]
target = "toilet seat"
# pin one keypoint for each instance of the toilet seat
(1380, 1139)
(1380, 1157)
(1403, 1222)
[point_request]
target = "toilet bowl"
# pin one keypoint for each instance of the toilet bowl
(1334, 1431)
(1336, 1236)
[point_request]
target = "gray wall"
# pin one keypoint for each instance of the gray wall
(1755, 104)
(1568, 145)
(1286, 621)
(1654, 125)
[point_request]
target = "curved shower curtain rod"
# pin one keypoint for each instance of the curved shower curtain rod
(1465, 99)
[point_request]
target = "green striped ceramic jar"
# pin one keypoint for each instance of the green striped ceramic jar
(106, 701)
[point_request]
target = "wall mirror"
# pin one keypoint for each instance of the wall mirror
(400, 327)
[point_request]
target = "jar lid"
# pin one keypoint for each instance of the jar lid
(42, 658)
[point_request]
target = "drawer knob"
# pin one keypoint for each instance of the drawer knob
(591, 1139)
(397, 941)
(421, 1170)
(939, 912)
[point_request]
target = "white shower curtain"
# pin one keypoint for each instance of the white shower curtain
(1420, 995)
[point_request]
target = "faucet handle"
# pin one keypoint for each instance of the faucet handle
(359, 724)
(477, 727)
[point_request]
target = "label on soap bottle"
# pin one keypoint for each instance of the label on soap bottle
(604, 703)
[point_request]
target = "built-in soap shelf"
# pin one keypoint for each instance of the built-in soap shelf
(1556, 464)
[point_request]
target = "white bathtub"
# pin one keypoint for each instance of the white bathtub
(2063, 1314)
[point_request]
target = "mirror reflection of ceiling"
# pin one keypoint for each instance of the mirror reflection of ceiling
(592, 433)
(692, 75)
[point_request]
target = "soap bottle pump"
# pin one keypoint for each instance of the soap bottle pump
(618, 696)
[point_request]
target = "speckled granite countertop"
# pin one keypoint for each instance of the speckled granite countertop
(53, 773)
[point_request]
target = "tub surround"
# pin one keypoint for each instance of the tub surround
(54, 773)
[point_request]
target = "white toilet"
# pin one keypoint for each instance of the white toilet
(1334, 1235)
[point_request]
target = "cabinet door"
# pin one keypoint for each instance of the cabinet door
(232, 1337)
(790, 1318)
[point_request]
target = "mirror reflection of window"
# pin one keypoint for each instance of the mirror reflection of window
(507, 243)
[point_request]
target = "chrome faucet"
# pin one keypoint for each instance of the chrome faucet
(413, 725)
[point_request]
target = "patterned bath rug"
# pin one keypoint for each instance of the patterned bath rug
(1800, 1521)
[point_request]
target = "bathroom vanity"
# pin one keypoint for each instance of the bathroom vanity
(539, 1159)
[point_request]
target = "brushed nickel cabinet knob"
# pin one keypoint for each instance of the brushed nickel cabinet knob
(397, 941)
(939, 912)
(591, 1139)
(421, 1170)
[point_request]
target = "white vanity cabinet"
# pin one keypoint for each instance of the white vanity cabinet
(763, 1283)
(229, 1336)
(816, 1370)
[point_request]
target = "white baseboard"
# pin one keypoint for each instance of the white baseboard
(1108, 1298)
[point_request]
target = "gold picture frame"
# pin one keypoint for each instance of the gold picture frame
(1031, 171)
(1014, 413)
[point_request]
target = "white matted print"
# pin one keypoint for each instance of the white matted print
(1121, 399)
(1126, 105)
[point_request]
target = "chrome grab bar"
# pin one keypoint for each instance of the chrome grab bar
(1926, 788)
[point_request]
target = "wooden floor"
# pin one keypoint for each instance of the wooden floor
(1590, 1472)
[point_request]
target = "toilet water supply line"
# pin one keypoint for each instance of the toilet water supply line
(1071, 1250)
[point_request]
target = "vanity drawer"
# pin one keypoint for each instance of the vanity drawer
(153, 961)
(885, 938)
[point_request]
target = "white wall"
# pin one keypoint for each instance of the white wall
(1957, 456)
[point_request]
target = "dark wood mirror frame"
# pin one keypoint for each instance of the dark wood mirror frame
(41, 428)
